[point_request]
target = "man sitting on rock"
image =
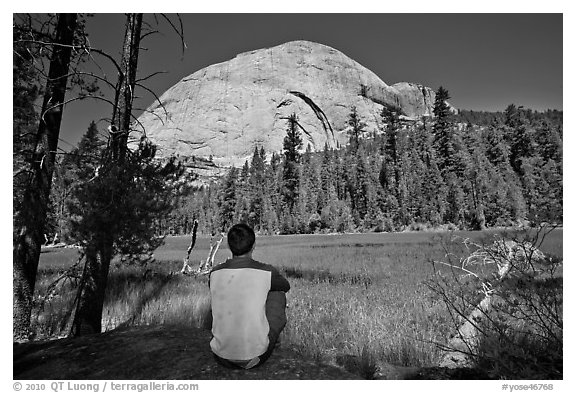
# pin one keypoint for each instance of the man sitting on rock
(248, 304)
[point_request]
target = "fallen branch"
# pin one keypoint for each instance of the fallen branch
(506, 255)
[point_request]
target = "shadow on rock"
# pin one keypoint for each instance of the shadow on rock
(153, 352)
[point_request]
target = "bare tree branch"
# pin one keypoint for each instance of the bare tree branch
(152, 113)
(180, 31)
(156, 97)
(75, 47)
(77, 99)
(151, 76)
(149, 33)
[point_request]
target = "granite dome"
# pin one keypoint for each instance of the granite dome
(225, 109)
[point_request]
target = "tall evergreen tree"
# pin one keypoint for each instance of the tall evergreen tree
(357, 128)
(227, 199)
(496, 148)
(363, 182)
(291, 163)
(443, 131)
(78, 166)
(476, 183)
(242, 210)
(257, 191)
(310, 177)
(433, 186)
(391, 170)
(521, 147)
(274, 186)
(551, 187)
(512, 116)
(327, 191)
(549, 141)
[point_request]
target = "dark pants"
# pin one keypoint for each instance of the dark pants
(276, 316)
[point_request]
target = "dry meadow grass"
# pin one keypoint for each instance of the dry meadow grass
(361, 295)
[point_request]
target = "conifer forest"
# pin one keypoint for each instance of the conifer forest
(471, 170)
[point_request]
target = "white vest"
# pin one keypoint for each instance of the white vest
(239, 326)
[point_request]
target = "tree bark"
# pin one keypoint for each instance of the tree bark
(30, 219)
(127, 82)
(90, 300)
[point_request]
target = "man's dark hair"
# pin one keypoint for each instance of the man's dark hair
(241, 238)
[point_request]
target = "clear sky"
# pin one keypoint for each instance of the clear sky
(486, 61)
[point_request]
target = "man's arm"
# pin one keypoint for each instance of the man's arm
(279, 283)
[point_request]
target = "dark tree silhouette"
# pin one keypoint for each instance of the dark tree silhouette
(292, 155)
(99, 248)
(34, 192)
(443, 131)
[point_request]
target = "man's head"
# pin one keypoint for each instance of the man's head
(241, 239)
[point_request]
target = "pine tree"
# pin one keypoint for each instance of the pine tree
(521, 147)
(242, 210)
(549, 141)
(227, 199)
(443, 131)
(327, 191)
(362, 185)
(496, 148)
(455, 207)
(476, 183)
(551, 187)
(118, 205)
(87, 156)
(311, 180)
(433, 187)
(256, 190)
(496, 212)
(340, 170)
(512, 116)
(356, 130)
(392, 167)
(274, 186)
(78, 166)
(373, 218)
(291, 163)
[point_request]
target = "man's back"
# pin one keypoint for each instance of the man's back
(239, 288)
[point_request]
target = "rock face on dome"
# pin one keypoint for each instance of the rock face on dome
(224, 110)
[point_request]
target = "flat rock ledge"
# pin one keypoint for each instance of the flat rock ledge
(153, 353)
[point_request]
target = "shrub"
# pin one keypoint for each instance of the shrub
(314, 222)
(505, 299)
(417, 227)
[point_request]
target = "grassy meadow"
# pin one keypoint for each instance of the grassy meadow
(354, 294)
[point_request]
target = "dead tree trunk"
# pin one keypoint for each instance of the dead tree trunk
(30, 219)
(186, 266)
(466, 340)
(99, 250)
(126, 83)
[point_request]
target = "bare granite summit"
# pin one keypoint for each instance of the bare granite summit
(225, 109)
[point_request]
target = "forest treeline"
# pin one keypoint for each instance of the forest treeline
(469, 170)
